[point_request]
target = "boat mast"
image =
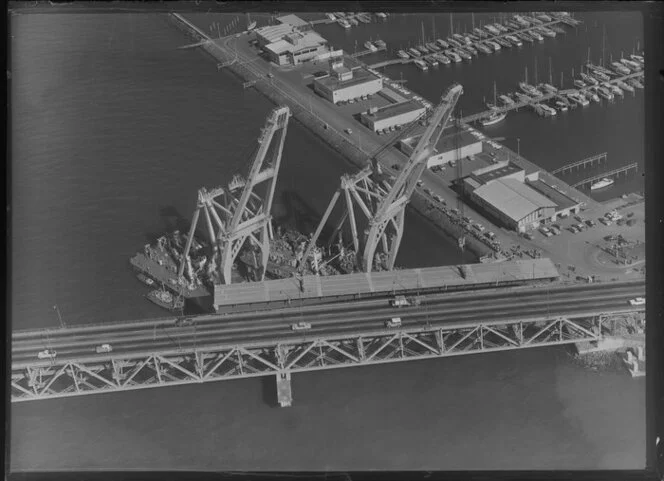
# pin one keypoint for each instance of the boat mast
(526, 74)
(472, 19)
(535, 71)
(451, 24)
(495, 102)
(561, 80)
(550, 72)
(423, 38)
(433, 28)
(603, 44)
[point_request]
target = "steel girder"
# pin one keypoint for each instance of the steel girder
(239, 212)
(115, 372)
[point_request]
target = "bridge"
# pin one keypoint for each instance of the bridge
(610, 173)
(581, 163)
(164, 352)
(517, 105)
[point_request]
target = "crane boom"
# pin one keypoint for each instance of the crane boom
(380, 201)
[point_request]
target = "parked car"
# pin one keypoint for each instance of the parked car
(184, 321)
(578, 218)
(528, 236)
(590, 223)
(637, 301)
(420, 182)
(427, 191)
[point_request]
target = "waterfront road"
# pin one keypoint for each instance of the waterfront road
(265, 327)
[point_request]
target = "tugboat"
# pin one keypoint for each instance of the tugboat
(165, 299)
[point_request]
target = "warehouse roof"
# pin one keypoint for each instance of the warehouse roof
(395, 109)
(513, 198)
(273, 33)
(560, 198)
(381, 282)
(293, 20)
(502, 169)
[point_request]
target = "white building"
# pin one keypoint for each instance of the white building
(345, 84)
(394, 115)
(454, 144)
(286, 44)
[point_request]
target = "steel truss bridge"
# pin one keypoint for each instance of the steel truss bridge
(186, 365)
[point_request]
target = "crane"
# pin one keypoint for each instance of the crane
(239, 212)
(381, 200)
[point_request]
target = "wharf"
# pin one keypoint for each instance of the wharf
(581, 163)
(366, 285)
(394, 61)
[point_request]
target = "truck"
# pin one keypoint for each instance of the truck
(403, 301)
(394, 322)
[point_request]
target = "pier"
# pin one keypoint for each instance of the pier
(560, 93)
(394, 61)
(610, 173)
(581, 163)
(367, 52)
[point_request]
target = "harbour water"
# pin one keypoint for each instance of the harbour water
(111, 138)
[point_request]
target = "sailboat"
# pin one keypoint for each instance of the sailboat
(496, 116)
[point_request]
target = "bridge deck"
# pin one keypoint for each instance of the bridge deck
(365, 284)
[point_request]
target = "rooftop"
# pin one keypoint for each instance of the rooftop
(380, 282)
(293, 20)
(513, 198)
(561, 200)
(396, 109)
(487, 175)
(360, 76)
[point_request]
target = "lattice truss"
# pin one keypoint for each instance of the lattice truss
(62, 378)
(240, 213)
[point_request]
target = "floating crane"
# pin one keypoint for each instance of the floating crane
(239, 212)
(382, 200)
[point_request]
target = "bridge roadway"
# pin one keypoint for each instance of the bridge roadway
(141, 337)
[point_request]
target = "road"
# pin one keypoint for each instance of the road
(439, 310)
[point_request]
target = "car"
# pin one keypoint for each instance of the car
(490, 235)
(478, 227)
(579, 226)
(420, 182)
(427, 191)
(438, 198)
(578, 218)
(466, 219)
(301, 326)
(637, 301)
(184, 321)
(349, 131)
(590, 223)
(270, 75)
(394, 322)
(572, 229)
(528, 236)
(47, 354)
(103, 348)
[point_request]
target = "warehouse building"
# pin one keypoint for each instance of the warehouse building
(519, 201)
(285, 44)
(513, 203)
(455, 143)
(344, 84)
(392, 116)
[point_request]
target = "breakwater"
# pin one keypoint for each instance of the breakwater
(337, 140)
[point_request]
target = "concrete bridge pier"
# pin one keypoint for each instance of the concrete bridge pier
(284, 393)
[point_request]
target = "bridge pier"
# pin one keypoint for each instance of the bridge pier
(284, 392)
